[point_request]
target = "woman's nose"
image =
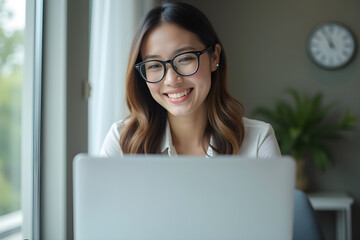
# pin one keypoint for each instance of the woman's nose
(171, 76)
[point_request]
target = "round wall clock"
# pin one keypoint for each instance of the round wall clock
(331, 45)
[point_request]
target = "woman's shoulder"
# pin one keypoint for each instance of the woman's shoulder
(256, 129)
(119, 125)
(111, 145)
(252, 123)
(259, 140)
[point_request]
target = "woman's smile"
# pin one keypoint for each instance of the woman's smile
(177, 96)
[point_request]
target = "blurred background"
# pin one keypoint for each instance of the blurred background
(12, 23)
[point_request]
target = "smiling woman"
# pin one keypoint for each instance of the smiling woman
(176, 93)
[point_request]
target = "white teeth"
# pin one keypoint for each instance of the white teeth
(179, 95)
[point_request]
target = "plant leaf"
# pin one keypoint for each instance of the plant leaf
(300, 127)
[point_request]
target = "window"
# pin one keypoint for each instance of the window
(12, 23)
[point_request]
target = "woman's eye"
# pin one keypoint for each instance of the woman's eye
(154, 66)
(186, 59)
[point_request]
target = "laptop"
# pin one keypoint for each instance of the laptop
(155, 197)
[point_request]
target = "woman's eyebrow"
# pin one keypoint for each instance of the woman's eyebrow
(150, 56)
(186, 48)
(177, 51)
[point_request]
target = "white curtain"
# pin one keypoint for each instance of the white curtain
(113, 25)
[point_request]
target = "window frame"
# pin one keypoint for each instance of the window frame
(64, 110)
(31, 120)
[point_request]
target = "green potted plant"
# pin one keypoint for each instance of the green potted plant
(302, 127)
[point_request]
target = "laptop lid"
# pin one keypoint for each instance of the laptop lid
(155, 197)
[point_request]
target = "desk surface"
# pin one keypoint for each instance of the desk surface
(330, 200)
(341, 204)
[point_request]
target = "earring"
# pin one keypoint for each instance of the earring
(217, 65)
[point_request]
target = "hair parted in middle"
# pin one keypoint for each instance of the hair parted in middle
(146, 123)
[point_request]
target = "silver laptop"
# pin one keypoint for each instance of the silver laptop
(161, 198)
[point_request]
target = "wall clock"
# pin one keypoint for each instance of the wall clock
(331, 45)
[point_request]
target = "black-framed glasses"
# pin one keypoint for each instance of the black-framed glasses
(184, 64)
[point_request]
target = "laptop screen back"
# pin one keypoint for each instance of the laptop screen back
(142, 197)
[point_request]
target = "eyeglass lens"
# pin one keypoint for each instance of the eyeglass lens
(184, 64)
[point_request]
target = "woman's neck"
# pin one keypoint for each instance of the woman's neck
(188, 133)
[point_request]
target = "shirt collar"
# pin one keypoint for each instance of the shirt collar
(167, 148)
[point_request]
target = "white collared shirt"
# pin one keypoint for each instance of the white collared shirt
(259, 141)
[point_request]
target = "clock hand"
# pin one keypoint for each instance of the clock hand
(328, 39)
(331, 43)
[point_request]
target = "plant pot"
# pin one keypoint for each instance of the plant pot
(301, 178)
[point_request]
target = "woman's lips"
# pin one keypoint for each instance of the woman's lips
(179, 96)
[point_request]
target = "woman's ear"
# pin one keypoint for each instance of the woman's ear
(215, 57)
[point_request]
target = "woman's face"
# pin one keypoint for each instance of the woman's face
(179, 95)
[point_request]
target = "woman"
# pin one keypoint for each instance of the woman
(176, 93)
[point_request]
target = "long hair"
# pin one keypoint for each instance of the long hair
(146, 123)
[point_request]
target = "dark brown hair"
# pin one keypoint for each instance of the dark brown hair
(147, 120)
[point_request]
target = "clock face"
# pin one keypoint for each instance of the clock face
(331, 46)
